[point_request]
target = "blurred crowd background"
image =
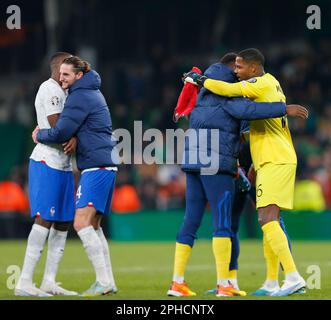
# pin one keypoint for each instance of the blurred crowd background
(141, 49)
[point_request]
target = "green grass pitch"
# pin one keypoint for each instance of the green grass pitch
(143, 270)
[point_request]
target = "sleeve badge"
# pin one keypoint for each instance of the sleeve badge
(55, 101)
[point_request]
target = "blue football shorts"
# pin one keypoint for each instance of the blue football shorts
(51, 192)
(96, 187)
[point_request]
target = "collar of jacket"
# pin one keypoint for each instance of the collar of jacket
(90, 80)
(220, 71)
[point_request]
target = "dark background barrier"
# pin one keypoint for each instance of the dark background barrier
(163, 226)
(154, 225)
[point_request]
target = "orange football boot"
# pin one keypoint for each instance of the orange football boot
(180, 290)
(229, 291)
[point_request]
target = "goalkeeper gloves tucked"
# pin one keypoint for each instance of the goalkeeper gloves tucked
(194, 78)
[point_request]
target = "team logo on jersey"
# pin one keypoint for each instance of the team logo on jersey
(252, 80)
(52, 211)
(55, 101)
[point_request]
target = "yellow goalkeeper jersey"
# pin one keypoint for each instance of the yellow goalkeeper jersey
(270, 139)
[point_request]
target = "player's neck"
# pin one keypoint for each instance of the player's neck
(259, 73)
(55, 78)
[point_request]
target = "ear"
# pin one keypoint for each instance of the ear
(79, 75)
(253, 67)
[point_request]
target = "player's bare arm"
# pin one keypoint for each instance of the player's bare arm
(297, 111)
(52, 119)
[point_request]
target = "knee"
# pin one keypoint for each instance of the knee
(83, 218)
(80, 224)
(42, 222)
(268, 214)
(224, 230)
(77, 226)
(223, 233)
(190, 226)
(61, 226)
(186, 238)
(264, 219)
(186, 235)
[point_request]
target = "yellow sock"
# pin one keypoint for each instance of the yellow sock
(222, 254)
(277, 240)
(271, 259)
(182, 254)
(233, 274)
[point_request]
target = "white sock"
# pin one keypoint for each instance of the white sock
(35, 246)
(93, 248)
(292, 276)
(178, 279)
(56, 243)
(270, 284)
(106, 254)
(223, 282)
(234, 282)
